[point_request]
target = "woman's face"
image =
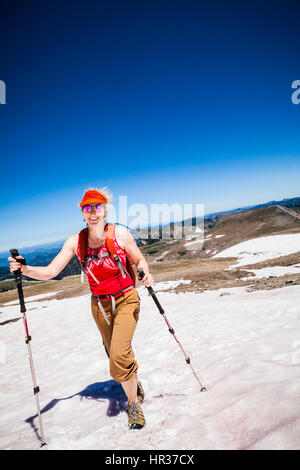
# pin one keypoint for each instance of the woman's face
(93, 213)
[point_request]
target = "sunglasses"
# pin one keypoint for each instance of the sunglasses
(97, 207)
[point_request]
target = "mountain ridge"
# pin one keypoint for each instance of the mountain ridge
(284, 218)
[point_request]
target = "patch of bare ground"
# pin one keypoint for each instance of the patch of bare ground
(288, 260)
(204, 274)
(273, 282)
(213, 273)
(12, 320)
(67, 287)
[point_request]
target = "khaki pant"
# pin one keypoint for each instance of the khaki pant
(117, 336)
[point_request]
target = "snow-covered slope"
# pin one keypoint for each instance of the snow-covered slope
(263, 248)
(244, 346)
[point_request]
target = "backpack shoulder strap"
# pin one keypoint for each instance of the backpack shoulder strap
(109, 240)
(130, 269)
(83, 245)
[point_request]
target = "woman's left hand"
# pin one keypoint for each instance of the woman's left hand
(147, 279)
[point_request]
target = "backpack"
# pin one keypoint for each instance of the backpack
(109, 241)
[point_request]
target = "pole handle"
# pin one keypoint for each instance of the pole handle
(141, 273)
(151, 291)
(18, 276)
(14, 253)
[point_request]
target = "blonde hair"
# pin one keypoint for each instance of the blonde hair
(106, 193)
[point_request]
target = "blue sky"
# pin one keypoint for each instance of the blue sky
(163, 102)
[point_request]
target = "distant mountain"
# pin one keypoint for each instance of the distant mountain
(38, 255)
(240, 226)
(255, 221)
(292, 202)
(72, 268)
(33, 252)
(228, 230)
(151, 235)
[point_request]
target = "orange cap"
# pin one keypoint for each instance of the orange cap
(92, 197)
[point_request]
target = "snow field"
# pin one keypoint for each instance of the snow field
(262, 249)
(245, 348)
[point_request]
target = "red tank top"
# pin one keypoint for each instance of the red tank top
(106, 271)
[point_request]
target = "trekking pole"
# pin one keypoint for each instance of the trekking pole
(171, 330)
(36, 389)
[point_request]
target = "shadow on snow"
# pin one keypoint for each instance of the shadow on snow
(100, 391)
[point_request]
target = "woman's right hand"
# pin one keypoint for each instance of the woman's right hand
(14, 265)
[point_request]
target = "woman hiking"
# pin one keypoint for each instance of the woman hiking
(115, 302)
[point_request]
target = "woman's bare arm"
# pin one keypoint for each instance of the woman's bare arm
(43, 273)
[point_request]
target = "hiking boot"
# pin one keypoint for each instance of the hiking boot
(136, 419)
(140, 393)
